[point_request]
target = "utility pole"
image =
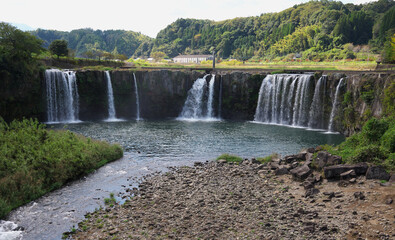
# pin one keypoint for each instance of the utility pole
(213, 59)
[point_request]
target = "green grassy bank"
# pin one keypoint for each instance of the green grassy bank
(34, 160)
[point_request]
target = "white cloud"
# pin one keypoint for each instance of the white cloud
(145, 16)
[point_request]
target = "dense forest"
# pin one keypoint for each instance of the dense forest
(316, 30)
(86, 42)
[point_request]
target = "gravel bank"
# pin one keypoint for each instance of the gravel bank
(246, 201)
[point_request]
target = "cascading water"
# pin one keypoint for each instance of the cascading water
(136, 91)
(110, 97)
(210, 97)
(335, 105)
(317, 107)
(195, 107)
(279, 104)
(62, 96)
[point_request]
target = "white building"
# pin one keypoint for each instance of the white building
(192, 58)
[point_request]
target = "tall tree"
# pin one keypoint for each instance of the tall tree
(59, 48)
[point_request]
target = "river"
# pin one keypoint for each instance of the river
(152, 146)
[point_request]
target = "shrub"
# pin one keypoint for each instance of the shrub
(369, 153)
(374, 129)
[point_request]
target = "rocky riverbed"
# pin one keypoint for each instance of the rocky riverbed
(219, 200)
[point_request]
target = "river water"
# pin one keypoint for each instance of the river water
(152, 146)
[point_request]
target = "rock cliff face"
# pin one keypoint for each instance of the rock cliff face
(364, 96)
(240, 93)
(162, 94)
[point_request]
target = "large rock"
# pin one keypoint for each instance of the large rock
(325, 159)
(281, 171)
(377, 172)
(296, 157)
(334, 172)
(301, 172)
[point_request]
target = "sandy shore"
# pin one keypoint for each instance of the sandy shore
(247, 201)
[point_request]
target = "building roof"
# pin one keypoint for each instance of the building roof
(193, 56)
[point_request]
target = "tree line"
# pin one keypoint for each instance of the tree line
(316, 30)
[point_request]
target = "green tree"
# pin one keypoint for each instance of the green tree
(355, 27)
(389, 50)
(19, 72)
(59, 48)
(158, 56)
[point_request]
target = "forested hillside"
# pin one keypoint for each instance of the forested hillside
(317, 26)
(316, 30)
(85, 42)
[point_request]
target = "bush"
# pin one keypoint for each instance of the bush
(388, 139)
(374, 144)
(369, 153)
(34, 161)
(374, 129)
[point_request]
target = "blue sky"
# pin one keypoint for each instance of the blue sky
(145, 16)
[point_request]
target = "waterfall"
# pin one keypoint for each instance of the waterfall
(194, 107)
(62, 96)
(210, 97)
(220, 99)
(137, 98)
(317, 107)
(335, 105)
(278, 103)
(110, 97)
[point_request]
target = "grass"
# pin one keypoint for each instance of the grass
(269, 158)
(230, 158)
(341, 65)
(110, 201)
(34, 161)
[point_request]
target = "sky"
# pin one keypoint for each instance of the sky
(145, 16)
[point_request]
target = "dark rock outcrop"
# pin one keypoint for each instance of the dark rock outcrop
(325, 159)
(377, 172)
(334, 172)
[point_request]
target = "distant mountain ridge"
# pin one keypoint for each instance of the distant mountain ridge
(312, 27)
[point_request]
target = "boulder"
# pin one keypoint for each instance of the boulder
(281, 171)
(296, 157)
(325, 159)
(377, 172)
(274, 165)
(301, 172)
(333, 172)
(309, 157)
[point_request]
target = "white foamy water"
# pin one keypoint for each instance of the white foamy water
(9, 231)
